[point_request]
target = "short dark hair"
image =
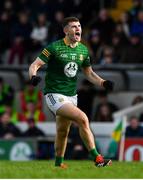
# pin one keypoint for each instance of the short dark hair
(67, 20)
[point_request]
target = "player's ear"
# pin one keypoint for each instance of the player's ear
(65, 30)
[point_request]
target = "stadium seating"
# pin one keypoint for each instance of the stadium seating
(12, 79)
(135, 80)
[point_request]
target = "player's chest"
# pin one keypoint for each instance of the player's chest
(64, 57)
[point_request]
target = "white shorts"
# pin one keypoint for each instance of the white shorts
(55, 101)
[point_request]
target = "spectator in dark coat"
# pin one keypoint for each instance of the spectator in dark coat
(5, 27)
(134, 129)
(134, 52)
(32, 130)
(21, 37)
(105, 24)
(55, 31)
(7, 129)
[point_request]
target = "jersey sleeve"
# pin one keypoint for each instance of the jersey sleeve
(86, 61)
(46, 53)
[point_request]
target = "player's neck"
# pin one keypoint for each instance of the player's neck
(70, 43)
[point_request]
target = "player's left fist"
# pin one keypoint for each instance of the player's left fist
(108, 85)
(35, 80)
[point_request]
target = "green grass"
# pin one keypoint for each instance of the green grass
(76, 169)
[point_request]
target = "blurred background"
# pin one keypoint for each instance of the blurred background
(113, 32)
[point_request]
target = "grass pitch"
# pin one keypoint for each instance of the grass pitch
(76, 169)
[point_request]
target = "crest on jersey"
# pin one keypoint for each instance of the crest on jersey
(70, 69)
(81, 57)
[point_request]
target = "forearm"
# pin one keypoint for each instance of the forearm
(33, 70)
(34, 67)
(95, 79)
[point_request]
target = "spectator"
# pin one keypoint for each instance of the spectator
(134, 129)
(125, 22)
(8, 7)
(108, 56)
(39, 33)
(118, 47)
(76, 8)
(104, 114)
(137, 25)
(5, 27)
(23, 6)
(86, 94)
(120, 31)
(105, 26)
(61, 5)
(7, 129)
(137, 6)
(55, 31)
(34, 113)
(95, 45)
(30, 94)
(138, 99)
(21, 37)
(45, 6)
(32, 130)
(6, 95)
(15, 116)
(103, 100)
(133, 53)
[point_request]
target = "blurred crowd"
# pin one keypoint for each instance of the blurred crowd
(27, 26)
(26, 105)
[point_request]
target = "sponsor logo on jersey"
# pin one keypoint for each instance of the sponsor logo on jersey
(70, 69)
(64, 55)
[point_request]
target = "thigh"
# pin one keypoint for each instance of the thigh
(62, 123)
(55, 101)
(69, 111)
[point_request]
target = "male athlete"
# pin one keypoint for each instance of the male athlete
(64, 58)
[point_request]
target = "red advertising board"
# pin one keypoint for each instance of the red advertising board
(133, 149)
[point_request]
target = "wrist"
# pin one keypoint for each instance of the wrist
(101, 82)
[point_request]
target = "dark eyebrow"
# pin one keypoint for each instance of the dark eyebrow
(76, 26)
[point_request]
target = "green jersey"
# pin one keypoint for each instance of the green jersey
(63, 64)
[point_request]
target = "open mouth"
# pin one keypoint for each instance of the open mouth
(77, 34)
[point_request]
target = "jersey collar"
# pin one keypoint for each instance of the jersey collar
(68, 44)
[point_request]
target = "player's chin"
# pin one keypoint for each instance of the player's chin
(78, 39)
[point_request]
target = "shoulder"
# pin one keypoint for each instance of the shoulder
(83, 46)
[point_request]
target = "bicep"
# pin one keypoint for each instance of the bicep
(38, 62)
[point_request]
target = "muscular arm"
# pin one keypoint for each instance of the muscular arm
(35, 66)
(92, 76)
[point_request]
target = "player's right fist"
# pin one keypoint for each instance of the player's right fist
(35, 80)
(108, 85)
